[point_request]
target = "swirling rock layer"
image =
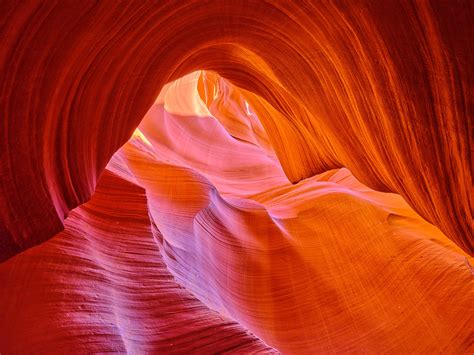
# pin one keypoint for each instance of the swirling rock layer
(102, 286)
(379, 88)
(310, 190)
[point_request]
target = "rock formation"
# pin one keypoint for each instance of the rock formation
(236, 177)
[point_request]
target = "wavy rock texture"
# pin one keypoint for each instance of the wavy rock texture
(325, 265)
(350, 266)
(102, 286)
(310, 190)
(380, 88)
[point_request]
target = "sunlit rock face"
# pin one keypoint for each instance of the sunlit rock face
(296, 178)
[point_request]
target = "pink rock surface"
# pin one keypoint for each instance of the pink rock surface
(102, 286)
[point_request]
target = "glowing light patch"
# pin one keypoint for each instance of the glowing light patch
(138, 134)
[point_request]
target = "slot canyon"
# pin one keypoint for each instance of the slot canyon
(244, 176)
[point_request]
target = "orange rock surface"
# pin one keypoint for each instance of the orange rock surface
(297, 177)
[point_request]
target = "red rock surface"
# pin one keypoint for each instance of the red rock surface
(317, 199)
(102, 286)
